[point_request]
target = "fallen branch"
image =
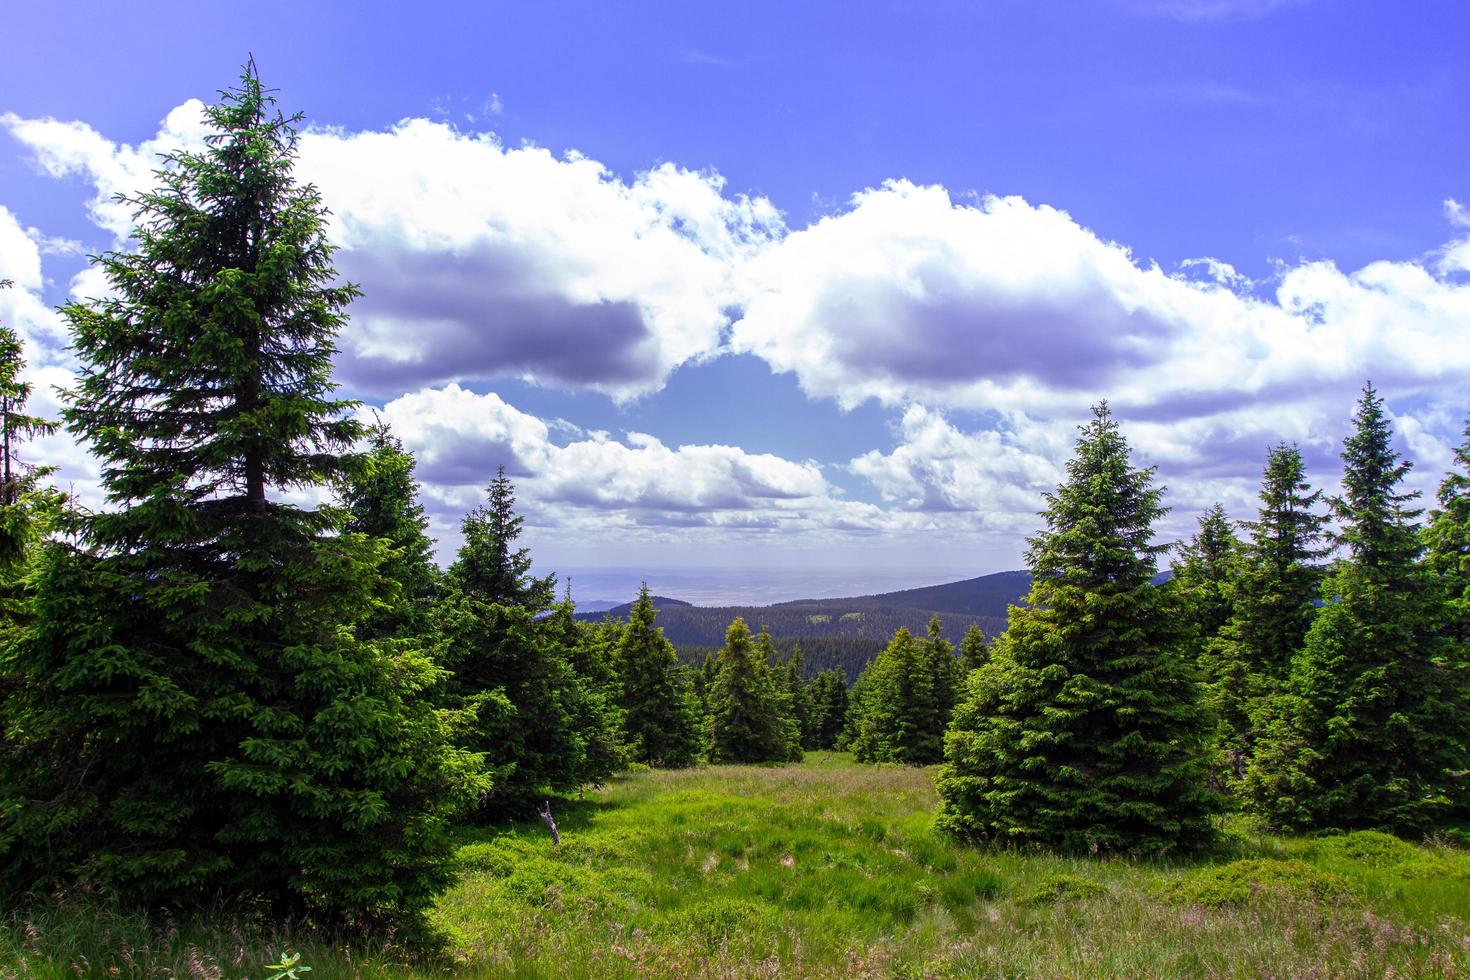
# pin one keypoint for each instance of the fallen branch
(545, 814)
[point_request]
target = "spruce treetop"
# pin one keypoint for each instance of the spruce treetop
(1377, 523)
(15, 425)
(1099, 522)
(206, 375)
(488, 566)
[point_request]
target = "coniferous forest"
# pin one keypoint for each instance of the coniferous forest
(241, 694)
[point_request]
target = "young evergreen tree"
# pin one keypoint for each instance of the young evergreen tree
(1205, 571)
(381, 498)
(794, 685)
(827, 695)
(974, 649)
(1447, 548)
(903, 703)
(661, 715)
(746, 720)
(197, 712)
(541, 723)
(23, 503)
(1365, 735)
(494, 569)
(1084, 732)
(1277, 580)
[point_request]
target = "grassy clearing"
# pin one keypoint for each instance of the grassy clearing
(827, 869)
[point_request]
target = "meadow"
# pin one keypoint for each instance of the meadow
(826, 868)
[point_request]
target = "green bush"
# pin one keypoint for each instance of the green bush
(1062, 888)
(1371, 847)
(1243, 881)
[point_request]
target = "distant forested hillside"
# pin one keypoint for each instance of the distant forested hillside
(986, 596)
(849, 654)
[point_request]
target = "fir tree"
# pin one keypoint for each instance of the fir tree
(490, 566)
(23, 505)
(1084, 731)
(794, 684)
(381, 498)
(746, 721)
(1447, 548)
(1204, 572)
(541, 723)
(1273, 596)
(827, 695)
(662, 716)
(197, 711)
(903, 704)
(974, 649)
(1365, 735)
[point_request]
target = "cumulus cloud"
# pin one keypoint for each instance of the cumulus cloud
(481, 260)
(460, 437)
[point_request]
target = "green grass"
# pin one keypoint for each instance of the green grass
(831, 869)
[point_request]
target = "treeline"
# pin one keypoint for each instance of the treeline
(838, 620)
(849, 655)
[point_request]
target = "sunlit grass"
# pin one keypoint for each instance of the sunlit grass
(826, 869)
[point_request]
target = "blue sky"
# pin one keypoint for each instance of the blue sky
(800, 290)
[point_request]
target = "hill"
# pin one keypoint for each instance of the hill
(985, 596)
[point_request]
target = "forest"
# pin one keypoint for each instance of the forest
(225, 704)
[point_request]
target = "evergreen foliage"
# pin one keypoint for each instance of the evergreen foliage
(661, 714)
(1277, 579)
(381, 498)
(974, 650)
(1447, 548)
(903, 704)
(197, 711)
(827, 695)
(25, 506)
(540, 721)
(793, 684)
(1084, 731)
(1204, 572)
(746, 719)
(1370, 730)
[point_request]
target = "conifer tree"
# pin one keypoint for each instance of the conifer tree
(661, 716)
(1084, 731)
(794, 685)
(197, 712)
(1205, 570)
(1365, 735)
(381, 498)
(974, 649)
(22, 508)
(541, 723)
(827, 695)
(490, 566)
(1447, 544)
(1273, 597)
(746, 721)
(903, 705)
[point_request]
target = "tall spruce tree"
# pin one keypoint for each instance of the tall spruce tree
(1084, 731)
(1365, 734)
(793, 682)
(1273, 596)
(746, 720)
(197, 713)
(661, 715)
(493, 568)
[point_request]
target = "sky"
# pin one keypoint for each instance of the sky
(768, 300)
